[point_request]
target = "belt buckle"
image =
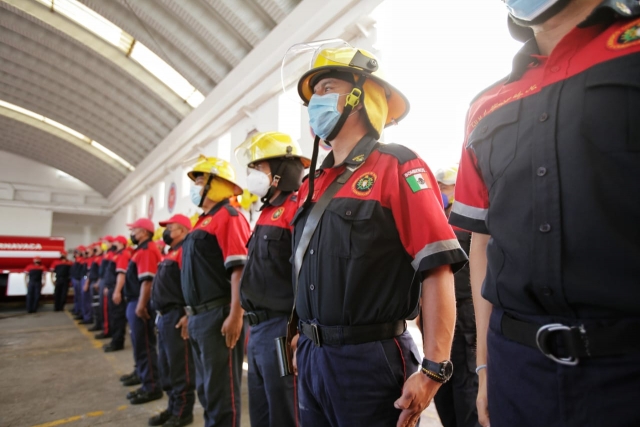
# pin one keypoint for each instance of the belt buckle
(253, 318)
(316, 335)
(190, 311)
(555, 327)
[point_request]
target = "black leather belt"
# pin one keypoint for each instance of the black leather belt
(259, 316)
(207, 306)
(566, 344)
(165, 310)
(344, 335)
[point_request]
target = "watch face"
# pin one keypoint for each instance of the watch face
(446, 369)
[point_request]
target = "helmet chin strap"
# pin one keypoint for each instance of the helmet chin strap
(205, 190)
(274, 184)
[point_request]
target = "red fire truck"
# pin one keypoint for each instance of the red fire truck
(16, 252)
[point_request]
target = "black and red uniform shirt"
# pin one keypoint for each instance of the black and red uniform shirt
(62, 269)
(143, 266)
(34, 272)
(210, 251)
(266, 279)
(550, 169)
(94, 268)
(118, 263)
(382, 231)
(77, 269)
(107, 259)
(167, 290)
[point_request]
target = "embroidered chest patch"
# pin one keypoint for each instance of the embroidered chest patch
(205, 222)
(277, 214)
(625, 37)
(363, 185)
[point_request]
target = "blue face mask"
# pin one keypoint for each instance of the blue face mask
(323, 113)
(194, 193)
(528, 10)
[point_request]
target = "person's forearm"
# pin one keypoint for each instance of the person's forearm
(438, 313)
(145, 293)
(119, 283)
(236, 274)
(482, 307)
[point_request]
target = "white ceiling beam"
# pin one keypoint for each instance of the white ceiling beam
(254, 79)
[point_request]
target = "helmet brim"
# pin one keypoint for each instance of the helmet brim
(397, 103)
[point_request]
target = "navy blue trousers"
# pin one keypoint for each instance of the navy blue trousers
(77, 296)
(33, 296)
(143, 340)
(272, 399)
(526, 389)
(60, 295)
(117, 319)
(177, 371)
(99, 310)
(353, 385)
(218, 368)
(87, 309)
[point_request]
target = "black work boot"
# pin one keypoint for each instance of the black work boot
(179, 422)
(145, 396)
(160, 419)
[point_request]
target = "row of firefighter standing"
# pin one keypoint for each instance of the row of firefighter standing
(352, 247)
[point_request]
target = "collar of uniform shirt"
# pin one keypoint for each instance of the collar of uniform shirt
(177, 246)
(143, 245)
(282, 197)
(606, 11)
(360, 152)
(215, 208)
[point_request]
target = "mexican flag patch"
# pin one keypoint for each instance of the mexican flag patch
(416, 179)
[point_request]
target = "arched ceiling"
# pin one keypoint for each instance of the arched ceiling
(54, 67)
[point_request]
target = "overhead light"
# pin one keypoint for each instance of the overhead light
(68, 130)
(113, 155)
(111, 33)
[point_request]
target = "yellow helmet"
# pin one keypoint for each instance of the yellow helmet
(447, 176)
(220, 168)
(383, 104)
(269, 145)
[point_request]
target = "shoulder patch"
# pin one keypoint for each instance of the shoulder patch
(400, 152)
(232, 211)
(499, 82)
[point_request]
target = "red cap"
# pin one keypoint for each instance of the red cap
(177, 219)
(144, 223)
(120, 239)
(107, 239)
(81, 248)
(160, 244)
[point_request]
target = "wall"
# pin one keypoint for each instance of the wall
(20, 170)
(25, 222)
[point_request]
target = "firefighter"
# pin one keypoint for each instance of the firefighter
(175, 359)
(276, 166)
(370, 241)
(93, 283)
(35, 279)
(61, 270)
(456, 399)
(213, 256)
(114, 278)
(87, 308)
(548, 185)
(76, 281)
(141, 270)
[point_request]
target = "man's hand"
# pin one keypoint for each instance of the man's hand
(231, 329)
(105, 292)
(85, 288)
(183, 323)
(482, 401)
(116, 298)
(417, 393)
(141, 312)
(294, 351)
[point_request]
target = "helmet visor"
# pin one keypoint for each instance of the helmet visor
(302, 57)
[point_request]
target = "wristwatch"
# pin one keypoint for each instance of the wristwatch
(439, 372)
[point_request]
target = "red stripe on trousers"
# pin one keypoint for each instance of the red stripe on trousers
(146, 338)
(233, 398)
(105, 314)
